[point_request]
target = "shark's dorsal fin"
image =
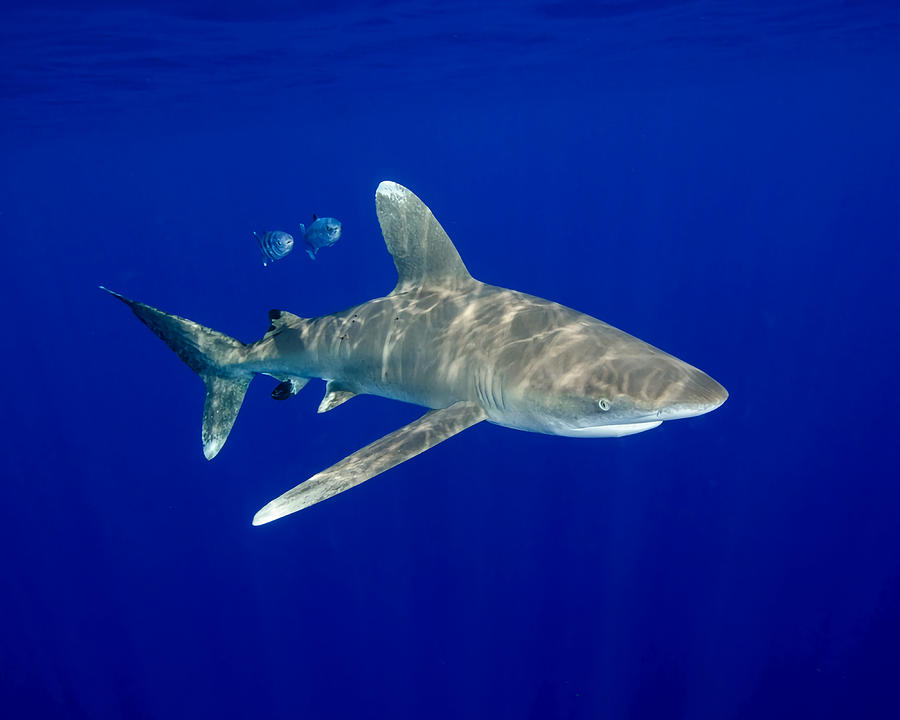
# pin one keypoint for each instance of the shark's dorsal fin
(422, 252)
(280, 319)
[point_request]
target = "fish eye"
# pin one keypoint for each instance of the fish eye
(604, 404)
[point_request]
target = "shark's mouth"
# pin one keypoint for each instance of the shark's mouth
(598, 431)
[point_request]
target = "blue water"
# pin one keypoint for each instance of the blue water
(719, 179)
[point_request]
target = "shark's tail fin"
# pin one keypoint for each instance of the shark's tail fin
(215, 357)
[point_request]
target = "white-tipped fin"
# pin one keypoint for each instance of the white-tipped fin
(391, 450)
(214, 356)
(422, 252)
(335, 394)
(224, 397)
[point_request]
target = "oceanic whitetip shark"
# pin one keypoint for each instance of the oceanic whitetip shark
(466, 350)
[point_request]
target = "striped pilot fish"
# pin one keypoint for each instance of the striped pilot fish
(274, 245)
(322, 232)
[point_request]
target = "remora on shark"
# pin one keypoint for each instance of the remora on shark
(441, 339)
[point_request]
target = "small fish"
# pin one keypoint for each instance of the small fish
(322, 232)
(274, 245)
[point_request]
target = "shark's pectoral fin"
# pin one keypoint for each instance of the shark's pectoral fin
(430, 429)
(335, 394)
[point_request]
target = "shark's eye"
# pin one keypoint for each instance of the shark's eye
(604, 404)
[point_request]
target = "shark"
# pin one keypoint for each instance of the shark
(465, 350)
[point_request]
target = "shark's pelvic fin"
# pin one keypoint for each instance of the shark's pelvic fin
(214, 356)
(422, 252)
(391, 450)
(335, 394)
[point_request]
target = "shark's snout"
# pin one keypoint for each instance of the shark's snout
(697, 394)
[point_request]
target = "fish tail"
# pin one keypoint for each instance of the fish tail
(302, 229)
(311, 250)
(219, 360)
(262, 248)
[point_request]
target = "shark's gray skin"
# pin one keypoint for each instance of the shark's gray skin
(466, 350)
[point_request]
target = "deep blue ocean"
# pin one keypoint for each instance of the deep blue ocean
(718, 179)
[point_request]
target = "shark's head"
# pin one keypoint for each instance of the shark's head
(631, 395)
(591, 380)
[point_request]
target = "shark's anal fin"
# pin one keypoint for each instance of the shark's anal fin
(335, 394)
(391, 450)
(288, 388)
